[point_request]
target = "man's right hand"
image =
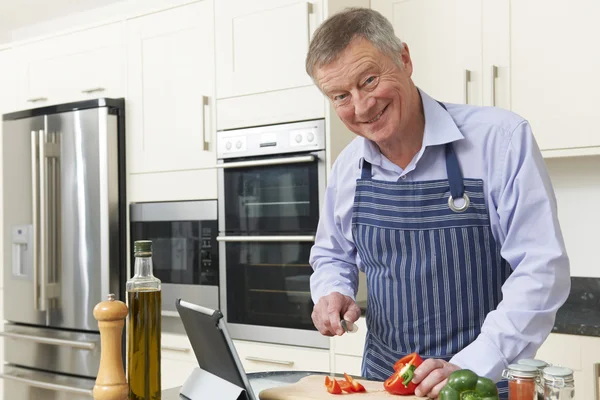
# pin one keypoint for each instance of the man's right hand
(327, 313)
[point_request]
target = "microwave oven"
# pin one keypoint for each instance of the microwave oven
(185, 254)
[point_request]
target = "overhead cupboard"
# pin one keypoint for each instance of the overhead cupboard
(534, 57)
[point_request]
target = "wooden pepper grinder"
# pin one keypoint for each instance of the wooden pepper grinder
(110, 382)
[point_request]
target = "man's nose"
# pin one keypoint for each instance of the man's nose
(363, 107)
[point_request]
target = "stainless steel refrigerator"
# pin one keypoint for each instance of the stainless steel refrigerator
(64, 243)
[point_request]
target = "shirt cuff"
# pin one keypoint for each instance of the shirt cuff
(481, 357)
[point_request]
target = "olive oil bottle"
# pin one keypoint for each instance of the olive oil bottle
(144, 327)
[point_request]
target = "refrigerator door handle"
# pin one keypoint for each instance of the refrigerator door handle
(49, 340)
(47, 385)
(35, 195)
(42, 221)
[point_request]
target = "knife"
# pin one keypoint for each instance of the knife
(349, 327)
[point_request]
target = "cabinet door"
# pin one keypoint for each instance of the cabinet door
(258, 357)
(72, 67)
(444, 40)
(554, 70)
(170, 77)
(262, 44)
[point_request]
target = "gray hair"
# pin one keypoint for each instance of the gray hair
(335, 34)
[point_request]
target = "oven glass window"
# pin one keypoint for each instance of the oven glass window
(276, 199)
(268, 284)
(183, 252)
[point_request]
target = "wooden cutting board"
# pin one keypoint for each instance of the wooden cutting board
(312, 387)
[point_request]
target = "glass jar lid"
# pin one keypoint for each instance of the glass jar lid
(520, 371)
(534, 363)
(551, 373)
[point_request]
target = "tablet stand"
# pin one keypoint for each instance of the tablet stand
(202, 385)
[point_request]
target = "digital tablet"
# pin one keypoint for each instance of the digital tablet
(212, 344)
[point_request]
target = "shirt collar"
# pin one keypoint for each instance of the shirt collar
(440, 129)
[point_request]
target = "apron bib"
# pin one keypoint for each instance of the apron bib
(433, 268)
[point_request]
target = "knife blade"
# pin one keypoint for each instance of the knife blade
(349, 327)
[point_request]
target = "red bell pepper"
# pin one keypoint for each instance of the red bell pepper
(333, 386)
(401, 380)
(355, 386)
(346, 386)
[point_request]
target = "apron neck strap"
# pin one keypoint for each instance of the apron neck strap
(455, 177)
(366, 170)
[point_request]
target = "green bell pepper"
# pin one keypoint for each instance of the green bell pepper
(464, 384)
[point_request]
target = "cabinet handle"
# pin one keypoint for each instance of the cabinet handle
(36, 99)
(494, 77)
(269, 361)
(467, 81)
(207, 131)
(92, 90)
(175, 348)
(173, 314)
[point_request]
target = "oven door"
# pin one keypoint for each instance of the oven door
(267, 296)
(275, 194)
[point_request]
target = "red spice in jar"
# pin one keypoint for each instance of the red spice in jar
(521, 389)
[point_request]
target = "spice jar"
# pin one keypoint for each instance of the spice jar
(521, 381)
(539, 365)
(558, 383)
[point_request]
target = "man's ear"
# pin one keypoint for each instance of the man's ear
(406, 60)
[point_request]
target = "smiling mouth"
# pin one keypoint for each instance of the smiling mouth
(377, 116)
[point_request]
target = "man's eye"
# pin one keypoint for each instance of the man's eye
(369, 80)
(340, 97)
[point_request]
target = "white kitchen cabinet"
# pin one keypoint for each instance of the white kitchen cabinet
(260, 51)
(444, 39)
(72, 67)
(506, 54)
(258, 357)
(581, 354)
(262, 44)
(348, 349)
(177, 360)
(554, 73)
(171, 104)
(170, 81)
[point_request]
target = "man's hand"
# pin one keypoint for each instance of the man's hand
(431, 376)
(326, 313)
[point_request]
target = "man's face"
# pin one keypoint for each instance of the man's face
(373, 96)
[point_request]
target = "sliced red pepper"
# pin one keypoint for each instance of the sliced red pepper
(346, 386)
(401, 380)
(355, 386)
(333, 386)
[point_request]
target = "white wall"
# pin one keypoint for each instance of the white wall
(577, 185)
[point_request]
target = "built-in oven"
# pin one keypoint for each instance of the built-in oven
(271, 187)
(185, 253)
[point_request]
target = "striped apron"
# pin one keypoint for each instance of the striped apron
(433, 268)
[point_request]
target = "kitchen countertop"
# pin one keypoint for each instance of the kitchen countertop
(258, 380)
(580, 314)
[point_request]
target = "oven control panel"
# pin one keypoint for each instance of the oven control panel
(272, 139)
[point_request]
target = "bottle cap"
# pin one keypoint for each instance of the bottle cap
(534, 363)
(520, 371)
(142, 248)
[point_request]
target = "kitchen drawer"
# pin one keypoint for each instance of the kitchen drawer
(177, 348)
(174, 373)
(351, 344)
(349, 364)
(257, 357)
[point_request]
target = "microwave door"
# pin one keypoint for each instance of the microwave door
(21, 214)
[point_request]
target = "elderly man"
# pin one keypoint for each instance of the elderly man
(447, 208)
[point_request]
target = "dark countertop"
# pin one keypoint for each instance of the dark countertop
(580, 315)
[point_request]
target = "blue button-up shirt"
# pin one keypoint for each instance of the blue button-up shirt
(498, 147)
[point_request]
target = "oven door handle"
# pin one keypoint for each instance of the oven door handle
(265, 238)
(272, 161)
